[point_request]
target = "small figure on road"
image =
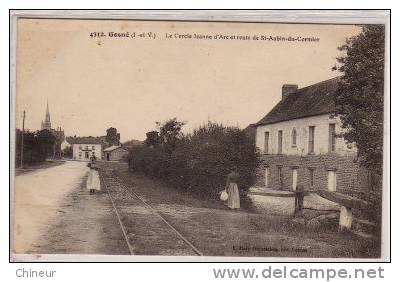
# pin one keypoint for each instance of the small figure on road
(232, 189)
(93, 181)
(298, 200)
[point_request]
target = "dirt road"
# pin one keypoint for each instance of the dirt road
(54, 213)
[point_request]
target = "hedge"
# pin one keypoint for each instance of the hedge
(200, 161)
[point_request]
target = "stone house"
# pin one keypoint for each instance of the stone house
(83, 148)
(300, 143)
(114, 153)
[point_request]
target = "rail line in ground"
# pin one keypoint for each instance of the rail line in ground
(109, 179)
(118, 217)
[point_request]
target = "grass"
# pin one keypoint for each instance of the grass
(218, 231)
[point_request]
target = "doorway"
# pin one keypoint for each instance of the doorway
(332, 181)
(294, 179)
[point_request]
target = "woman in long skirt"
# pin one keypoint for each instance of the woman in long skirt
(232, 189)
(93, 181)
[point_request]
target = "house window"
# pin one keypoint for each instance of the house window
(280, 137)
(80, 147)
(92, 147)
(311, 132)
(280, 176)
(266, 177)
(311, 176)
(332, 137)
(86, 147)
(80, 154)
(332, 181)
(266, 142)
(86, 155)
(294, 137)
(294, 179)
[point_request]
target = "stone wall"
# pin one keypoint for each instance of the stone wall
(350, 177)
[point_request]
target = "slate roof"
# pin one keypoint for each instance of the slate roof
(312, 100)
(112, 148)
(86, 140)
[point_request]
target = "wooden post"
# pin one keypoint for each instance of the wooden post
(298, 200)
(346, 218)
(22, 141)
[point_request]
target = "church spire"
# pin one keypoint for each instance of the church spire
(47, 112)
(46, 124)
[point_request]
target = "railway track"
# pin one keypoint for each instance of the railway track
(124, 198)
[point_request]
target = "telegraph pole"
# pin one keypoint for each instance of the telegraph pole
(22, 140)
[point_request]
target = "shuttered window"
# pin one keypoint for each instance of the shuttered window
(280, 176)
(332, 138)
(294, 137)
(266, 142)
(311, 177)
(280, 137)
(311, 133)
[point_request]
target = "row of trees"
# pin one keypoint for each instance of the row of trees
(198, 162)
(38, 146)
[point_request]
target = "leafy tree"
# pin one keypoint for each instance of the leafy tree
(37, 146)
(113, 136)
(170, 133)
(152, 139)
(360, 96)
(46, 143)
(67, 152)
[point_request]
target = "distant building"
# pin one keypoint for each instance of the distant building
(83, 148)
(114, 153)
(300, 143)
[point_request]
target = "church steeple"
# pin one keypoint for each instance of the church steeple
(46, 124)
(47, 112)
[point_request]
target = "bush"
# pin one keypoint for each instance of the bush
(201, 161)
(37, 146)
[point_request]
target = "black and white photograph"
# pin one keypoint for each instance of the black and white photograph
(172, 139)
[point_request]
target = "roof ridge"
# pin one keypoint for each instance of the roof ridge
(304, 102)
(318, 83)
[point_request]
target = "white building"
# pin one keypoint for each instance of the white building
(300, 143)
(84, 148)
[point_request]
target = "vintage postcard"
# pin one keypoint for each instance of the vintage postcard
(178, 139)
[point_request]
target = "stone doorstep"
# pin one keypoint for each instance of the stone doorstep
(263, 191)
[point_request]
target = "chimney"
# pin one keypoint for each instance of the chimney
(288, 89)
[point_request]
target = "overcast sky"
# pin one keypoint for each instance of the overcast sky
(130, 83)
